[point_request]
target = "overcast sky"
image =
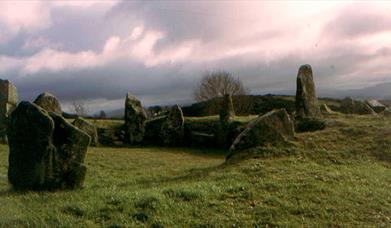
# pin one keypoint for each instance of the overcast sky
(158, 50)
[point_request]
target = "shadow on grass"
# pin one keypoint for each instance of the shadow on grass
(194, 174)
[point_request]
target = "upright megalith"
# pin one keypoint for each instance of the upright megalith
(227, 111)
(307, 105)
(273, 128)
(48, 102)
(135, 118)
(46, 152)
(171, 132)
(8, 102)
(88, 128)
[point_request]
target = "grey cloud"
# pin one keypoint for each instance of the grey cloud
(355, 21)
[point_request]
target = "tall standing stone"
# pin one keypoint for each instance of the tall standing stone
(46, 152)
(135, 118)
(227, 109)
(48, 102)
(307, 105)
(8, 102)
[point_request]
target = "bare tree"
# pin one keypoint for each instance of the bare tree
(217, 84)
(80, 108)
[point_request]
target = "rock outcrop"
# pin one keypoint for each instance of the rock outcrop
(135, 118)
(48, 102)
(273, 128)
(350, 106)
(46, 152)
(171, 132)
(88, 128)
(8, 102)
(376, 105)
(307, 105)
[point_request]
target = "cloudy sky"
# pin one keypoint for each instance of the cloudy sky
(98, 50)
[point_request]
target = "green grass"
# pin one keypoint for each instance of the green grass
(337, 177)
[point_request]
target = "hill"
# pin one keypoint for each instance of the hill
(340, 176)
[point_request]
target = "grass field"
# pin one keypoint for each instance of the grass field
(337, 177)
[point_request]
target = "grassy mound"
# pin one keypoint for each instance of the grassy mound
(340, 176)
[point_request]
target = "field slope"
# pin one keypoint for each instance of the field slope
(337, 177)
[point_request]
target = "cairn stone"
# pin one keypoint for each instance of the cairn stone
(48, 102)
(88, 128)
(350, 106)
(376, 105)
(227, 109)
(273, 128)
(46, 152)
(135, 118)
(8, 102)
(171, 132)
(307, 105)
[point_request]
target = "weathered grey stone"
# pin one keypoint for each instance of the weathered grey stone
(350, 106)
(387, 112)
(227, 111)
(273, 128)
(135, 118)
(8, 102)
(307, 105)
(48, 102)
(46, 152)
(88, 128)
(376, 105)
(325, 109)
(171, 132)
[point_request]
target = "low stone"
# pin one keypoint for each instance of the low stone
(325, 109)
(135, 118)
(88, 128)
(8, 102)
(350, 106)
(46, 152)
(273, 128)
(307, 124)
(376, 105)
(48, 102)
(172, 131)
(387, 112)
(307, 105)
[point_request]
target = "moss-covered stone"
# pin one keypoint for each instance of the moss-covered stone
(46, 152)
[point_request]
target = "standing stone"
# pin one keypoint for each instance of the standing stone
(376, 105)
(227, 109)
(350, 106)
(48, 102)
(273, 128)
(8, 102)
(171, 132)
(135, 118)
(88, 128)
(307, 105)
(46, 152)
